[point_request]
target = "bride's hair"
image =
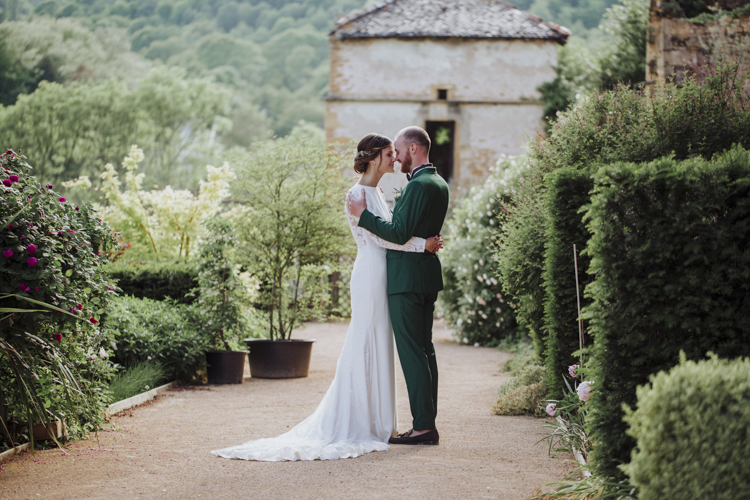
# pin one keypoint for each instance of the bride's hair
(368, 148)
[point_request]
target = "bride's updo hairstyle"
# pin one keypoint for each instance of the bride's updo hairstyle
(368, 149)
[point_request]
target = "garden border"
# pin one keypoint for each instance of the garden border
(14, 451)
(138, 399)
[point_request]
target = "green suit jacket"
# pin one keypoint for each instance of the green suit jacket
(420, 211)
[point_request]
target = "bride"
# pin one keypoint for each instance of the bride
(358, 413)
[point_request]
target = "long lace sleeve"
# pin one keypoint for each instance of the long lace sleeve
(415, 244)
(362, 235)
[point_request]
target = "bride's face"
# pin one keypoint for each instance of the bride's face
(385, 164)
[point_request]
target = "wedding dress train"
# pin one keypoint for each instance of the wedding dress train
(358, 413)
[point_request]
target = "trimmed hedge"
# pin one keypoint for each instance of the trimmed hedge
(691, 427)
(157, 280)
(567, 192)
(671, 254)
(160, 331)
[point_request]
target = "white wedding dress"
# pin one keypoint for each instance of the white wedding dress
(358, 413)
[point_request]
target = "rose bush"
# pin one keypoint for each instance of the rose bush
(52, 294)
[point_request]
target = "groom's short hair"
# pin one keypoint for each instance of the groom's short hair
(418, 136)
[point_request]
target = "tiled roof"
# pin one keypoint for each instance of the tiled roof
(447, 18)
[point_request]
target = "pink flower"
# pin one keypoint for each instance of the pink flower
(71, 231)
(7, 183)
(31, 261)
(8, 253)
(73, 310)
(23, 236)
(13, 178)
(62, 199)
(584, 391)
(49, 186)
(58, 336)
(572, 370)
(551, 409)
(80, 306)
(31, 248)
(98, 253)
(94, 321)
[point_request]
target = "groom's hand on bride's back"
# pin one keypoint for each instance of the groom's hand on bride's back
(356, 207)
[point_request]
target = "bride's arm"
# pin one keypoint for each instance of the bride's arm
(415, 244)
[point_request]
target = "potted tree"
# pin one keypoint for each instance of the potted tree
(219, 305)
(293, 234)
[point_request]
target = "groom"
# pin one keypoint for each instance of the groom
(414, 279)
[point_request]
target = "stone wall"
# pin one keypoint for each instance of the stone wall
(677, 46)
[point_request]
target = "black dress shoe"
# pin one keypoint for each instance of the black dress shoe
(430, 437)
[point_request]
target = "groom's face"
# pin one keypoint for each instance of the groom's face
(403, 155)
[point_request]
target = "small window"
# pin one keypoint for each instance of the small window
(443, 94)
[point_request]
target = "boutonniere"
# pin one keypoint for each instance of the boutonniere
(397, 194)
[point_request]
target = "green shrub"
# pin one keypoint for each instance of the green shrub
(672, 263)
(523, 394)
(162, 331)
(567, 191)
(52, 296)
(691, 427)
(136, 379)
(472, 301)
(523, 356)
(157, 279)
(695, 119)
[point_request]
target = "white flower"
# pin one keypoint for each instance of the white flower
(476, 344)
(497, 325)
(480, 278)
(103, 353)
(498, 310)
(147, 387)
(481, 301)
(551, 409)
(466, 341)
(149, 358)
(460, 320)
(584, 390)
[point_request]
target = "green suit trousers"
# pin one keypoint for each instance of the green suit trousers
(411, 317)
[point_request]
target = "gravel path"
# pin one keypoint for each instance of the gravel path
(161, 449)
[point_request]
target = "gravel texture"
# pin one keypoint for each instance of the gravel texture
(161, 449)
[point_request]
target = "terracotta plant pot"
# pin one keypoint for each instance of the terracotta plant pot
(225, 367)
(279, 358)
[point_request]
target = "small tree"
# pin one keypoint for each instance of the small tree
(292, 226)
(219, 305)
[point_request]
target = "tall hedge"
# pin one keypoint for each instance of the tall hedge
(157, 280)
(624, 125)
(567, 193)
(671, 254)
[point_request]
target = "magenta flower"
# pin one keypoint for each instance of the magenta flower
(31, 261)
(93, 320)
(10, 226)
(551, 409)
(7, 183)
(98, 253)
(572, 370)
(31, 248)
(58, 336)
(584, 391)
(60, 233)
(23, 236)
(73, 310)
(80, 306)
(49, 186)
(78, 209)
(71, 231)
(62, 199)
(8, 253)
(36, 288)
(22, 287)
(13, 178)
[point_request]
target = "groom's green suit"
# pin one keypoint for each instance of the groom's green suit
(414, 280)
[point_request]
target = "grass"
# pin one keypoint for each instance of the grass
(138, 378)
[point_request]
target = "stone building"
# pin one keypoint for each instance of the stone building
(465, 70)
(679, 44)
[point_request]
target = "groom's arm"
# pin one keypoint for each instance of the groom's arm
(411, 208)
